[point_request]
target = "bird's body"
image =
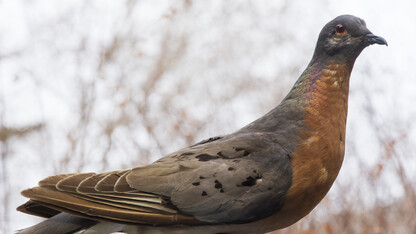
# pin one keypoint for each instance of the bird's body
(263, 177)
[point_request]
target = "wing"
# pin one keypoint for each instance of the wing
(221, 180)
(104, 196)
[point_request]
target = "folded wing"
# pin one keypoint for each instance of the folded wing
(223, 180)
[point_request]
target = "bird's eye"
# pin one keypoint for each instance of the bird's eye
(340, 29)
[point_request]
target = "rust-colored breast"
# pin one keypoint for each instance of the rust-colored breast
(318, 158)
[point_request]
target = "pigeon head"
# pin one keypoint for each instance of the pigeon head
(344, 38)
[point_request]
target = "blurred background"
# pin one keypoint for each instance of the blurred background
(104, 85)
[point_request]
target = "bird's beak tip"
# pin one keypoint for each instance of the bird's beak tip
(373, 39)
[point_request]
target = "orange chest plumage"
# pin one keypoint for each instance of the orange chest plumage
(325, 122)
(318, 158)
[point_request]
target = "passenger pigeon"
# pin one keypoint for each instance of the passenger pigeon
(263, 177)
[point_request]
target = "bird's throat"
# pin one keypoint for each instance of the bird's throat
(327, 94)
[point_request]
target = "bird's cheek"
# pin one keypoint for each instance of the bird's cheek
(331, 46)
(347, 41)
(332, 42)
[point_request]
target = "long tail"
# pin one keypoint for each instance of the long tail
(60, 224)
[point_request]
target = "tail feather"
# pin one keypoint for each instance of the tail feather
(59, 224)
(34, 208)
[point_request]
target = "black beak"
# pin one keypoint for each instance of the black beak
(373, 39)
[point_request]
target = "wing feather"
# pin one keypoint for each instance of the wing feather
(71, 182)
(64, 202)
(121, 185)
(136, 205)
(129, 207)
(107, 184)
(51, 181)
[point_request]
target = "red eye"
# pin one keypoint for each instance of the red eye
(340, 28)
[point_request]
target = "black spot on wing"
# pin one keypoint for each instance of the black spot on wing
(250, 181)
(238, 149)
(221, 154)
(205, 157)
(204, 193)
(245, 153)
(196, 183)
(217, 185)
(186, 154)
